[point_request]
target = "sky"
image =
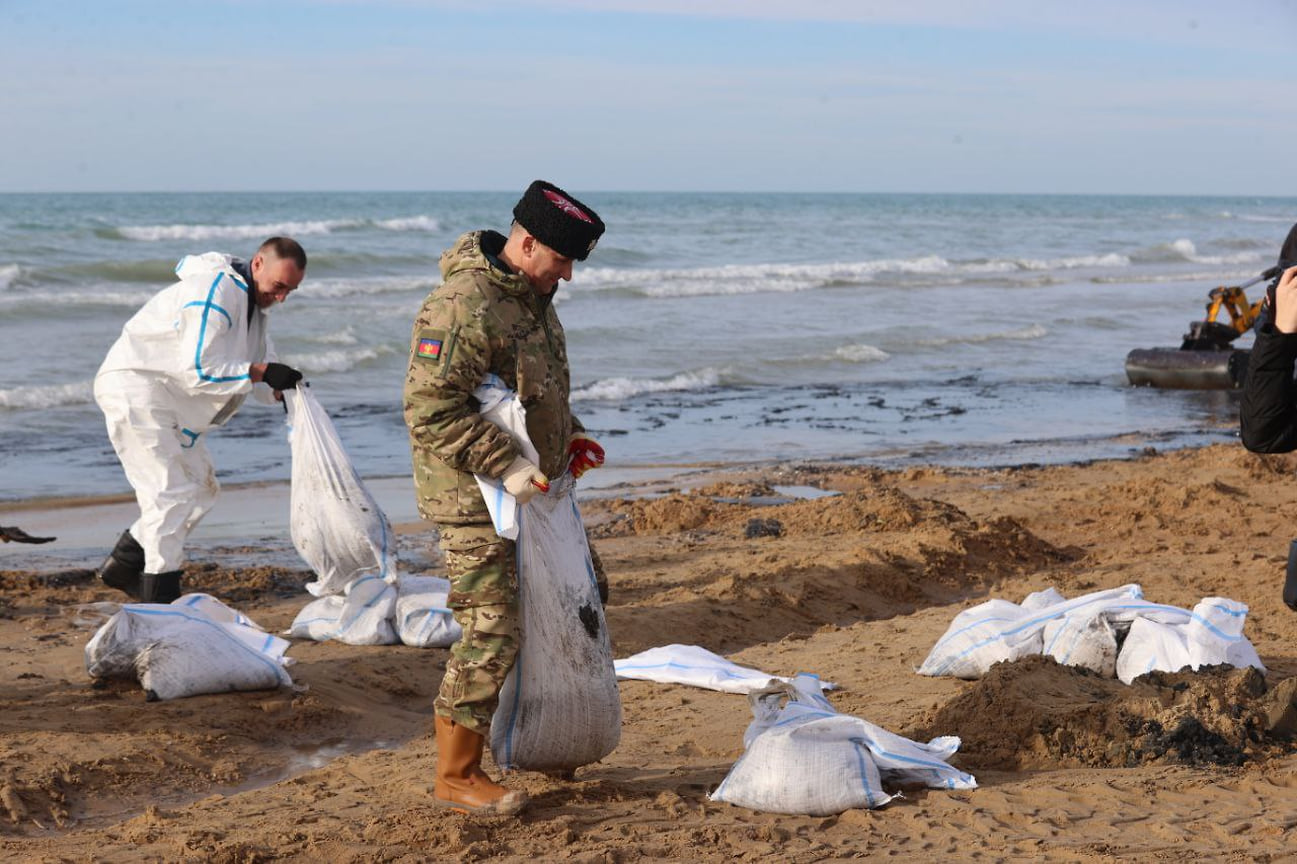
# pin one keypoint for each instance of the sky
(959, 96)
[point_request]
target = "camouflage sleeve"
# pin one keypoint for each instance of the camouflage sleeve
(450, 352)
(557, 327)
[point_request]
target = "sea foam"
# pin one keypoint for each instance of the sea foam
(262, 230)
(774, 278)
(624, 388)
(60, 299)
(861, 354)
(48, 396)
(1033, 331)
(337, 287)
(410, 223)
(1183, 249)
(334, 361)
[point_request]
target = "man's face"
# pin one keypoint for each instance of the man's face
(544, 267)
(274, 279)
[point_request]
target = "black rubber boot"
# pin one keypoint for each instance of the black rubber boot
(124, 566)
(160, 587)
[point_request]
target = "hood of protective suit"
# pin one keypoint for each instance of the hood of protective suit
(209, 264)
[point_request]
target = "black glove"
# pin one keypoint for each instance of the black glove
(281, 377)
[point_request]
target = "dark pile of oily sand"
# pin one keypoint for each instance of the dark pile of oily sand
(1034, 713)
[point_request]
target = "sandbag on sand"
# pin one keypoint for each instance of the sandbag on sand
(1094, 631)
(803, 757)
(336, 525)
(372, 612)
(422, 617)
(1213, 634)
(193, 645)
(361, 615)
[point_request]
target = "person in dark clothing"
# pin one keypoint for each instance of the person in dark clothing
(1268, 412)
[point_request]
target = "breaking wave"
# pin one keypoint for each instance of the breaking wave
(334, 361)
(48, 396)
(1035, 331)
(374, 285)
(861, 354)
(151, 233)
(57, 299)
(609, 389)
(764, 278)
(1184, 249)
(345, 336)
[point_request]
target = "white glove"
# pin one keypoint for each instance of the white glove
(523, 480)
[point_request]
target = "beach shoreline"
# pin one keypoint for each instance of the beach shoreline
(856, 586)
(257, 511)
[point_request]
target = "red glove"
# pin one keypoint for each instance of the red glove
(583, 454)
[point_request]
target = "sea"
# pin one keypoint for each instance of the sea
(706, 328)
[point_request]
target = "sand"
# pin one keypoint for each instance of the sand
(854, 587)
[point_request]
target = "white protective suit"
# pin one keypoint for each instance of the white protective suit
(180, 368)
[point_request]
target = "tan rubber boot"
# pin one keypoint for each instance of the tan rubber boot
(461, 783)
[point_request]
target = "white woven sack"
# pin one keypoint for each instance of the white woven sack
(336, 525)
(977, 639)
(559, 706)
(803, 757)
(1151, 645)
(1211, 634)
(1000, 630)
(423, 619)
(362, 615)
(694, 666)
(499, 405)
(192, 646)
(1090, 643)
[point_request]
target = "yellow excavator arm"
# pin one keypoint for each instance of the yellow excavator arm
(1234, 301)
(1210, 334)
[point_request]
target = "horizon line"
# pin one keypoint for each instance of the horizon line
(588, 191)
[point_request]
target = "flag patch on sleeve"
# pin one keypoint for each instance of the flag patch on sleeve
(429, 349)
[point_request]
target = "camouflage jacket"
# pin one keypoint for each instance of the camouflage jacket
(479, 320)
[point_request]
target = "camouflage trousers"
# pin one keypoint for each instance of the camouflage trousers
(482, 570)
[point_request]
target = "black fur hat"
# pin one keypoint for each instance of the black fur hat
(558, 220)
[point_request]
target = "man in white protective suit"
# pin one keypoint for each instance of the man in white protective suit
(182, 366)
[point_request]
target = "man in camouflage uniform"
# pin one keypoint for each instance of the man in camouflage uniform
(493, 313)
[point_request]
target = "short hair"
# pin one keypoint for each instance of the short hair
(284, 247)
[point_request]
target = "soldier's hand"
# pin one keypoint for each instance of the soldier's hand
(522, 480)
(583, 453)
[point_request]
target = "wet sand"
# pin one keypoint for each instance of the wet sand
(857, 588)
